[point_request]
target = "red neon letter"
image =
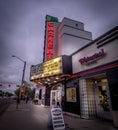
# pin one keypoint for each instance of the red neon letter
(50, 45)
(50, 52)
(50, 24)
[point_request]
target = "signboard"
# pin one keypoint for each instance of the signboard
(48, 68)
(61, 65)
(36, 71)
(53, 67)
(88, 59)
(50, 38)
(57, 119)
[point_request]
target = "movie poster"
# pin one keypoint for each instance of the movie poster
(71, 94)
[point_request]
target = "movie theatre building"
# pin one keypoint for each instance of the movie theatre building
(79, 73)
(60, 39)
(95, 68)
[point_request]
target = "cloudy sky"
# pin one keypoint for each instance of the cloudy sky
(22, 24)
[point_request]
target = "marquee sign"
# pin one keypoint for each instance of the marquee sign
(36, 71)
(53, 67)
(48, 68)
(61, 65)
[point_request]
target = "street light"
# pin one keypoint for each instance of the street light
(23, 72)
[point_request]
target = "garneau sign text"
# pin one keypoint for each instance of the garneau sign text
(89, 59)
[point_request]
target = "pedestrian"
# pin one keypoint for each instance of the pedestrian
(27, 99)
(58, 103)
(17, 102)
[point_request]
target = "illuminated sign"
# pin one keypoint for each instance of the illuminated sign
(89, 59)
(36, 71)
(50, 40)
(48, 68)
(58, 66)
(53, 67)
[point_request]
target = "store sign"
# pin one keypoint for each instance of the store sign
(50, 40)
(94, 57)
(57, 119)
(53, 67)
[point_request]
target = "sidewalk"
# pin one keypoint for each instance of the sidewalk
(76, 123)
(36, 117)
(26, 117)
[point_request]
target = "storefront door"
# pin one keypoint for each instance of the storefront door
(103, 103)
(55, 100)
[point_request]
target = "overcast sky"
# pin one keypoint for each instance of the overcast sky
(22, 25)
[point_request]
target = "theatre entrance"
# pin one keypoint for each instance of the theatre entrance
(56, 98)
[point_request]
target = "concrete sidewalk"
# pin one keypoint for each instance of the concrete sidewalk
(36, 117)
(26, 117)
(76, 123)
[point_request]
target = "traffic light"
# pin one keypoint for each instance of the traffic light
(22, 91)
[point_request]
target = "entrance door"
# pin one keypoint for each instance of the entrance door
(103, 103)
(55, 100)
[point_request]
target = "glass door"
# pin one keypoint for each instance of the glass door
(103, 103)
(56, 97)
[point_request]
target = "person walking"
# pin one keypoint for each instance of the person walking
(27, 99)
(17, 102)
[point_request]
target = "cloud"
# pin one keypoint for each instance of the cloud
(22, 28)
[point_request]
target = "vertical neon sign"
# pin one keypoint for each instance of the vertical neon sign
(50, 40)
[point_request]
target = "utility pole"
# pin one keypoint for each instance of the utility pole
(23, 74)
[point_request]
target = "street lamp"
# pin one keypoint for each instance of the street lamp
(23, 72)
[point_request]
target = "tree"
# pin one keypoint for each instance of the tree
(27, 91)
(8, 94)
(17, 92)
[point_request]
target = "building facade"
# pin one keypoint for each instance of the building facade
(63, 38)
(91, 90)
(95, 68)
(69, 32)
